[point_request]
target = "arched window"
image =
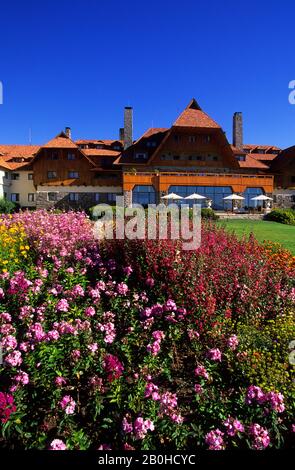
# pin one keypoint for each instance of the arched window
(144, 195)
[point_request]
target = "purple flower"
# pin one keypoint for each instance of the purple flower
(233, 426)
(141, 427)
(260, 437)
(122, 288)
(9, 343)
(214, 439)
(22, 378)
(60, 381)
(127, 426)
(255, 394)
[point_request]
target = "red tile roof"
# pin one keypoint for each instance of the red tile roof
(60, 141)
(193, 116)
(264, 156)
(101, 152)
(252, 163)
(258, 146)
(10, 153)
(97, 141)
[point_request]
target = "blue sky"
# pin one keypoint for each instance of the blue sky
(78, 63)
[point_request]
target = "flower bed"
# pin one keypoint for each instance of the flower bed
(142, 346)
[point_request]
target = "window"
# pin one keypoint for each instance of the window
(31, 197)
(14, 197)
(53, 156)
(206, 139)
(144, 195)
(30, 176)
(215, 193)
(71, 156)
(97, 197)
(177, 138)
(151, 144)
(140, 156)
(52, 196)
(74, 197)
(176, 157)
(51, 175)
(73, 174)
(15, 176)
(249, 194)
(192, 139)
(6, 175)
(215, 159)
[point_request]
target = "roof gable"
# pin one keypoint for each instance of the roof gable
(194, 116)
(60, 141)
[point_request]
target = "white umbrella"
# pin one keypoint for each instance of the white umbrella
(195, 196)
(262, 197)
(171, 196)
(234, 197)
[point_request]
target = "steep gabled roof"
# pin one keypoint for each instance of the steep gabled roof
(194, 116)
(157, 133)
(285, 158)
(252, 163)
(60, 141)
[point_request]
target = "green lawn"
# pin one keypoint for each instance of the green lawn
(263, 230)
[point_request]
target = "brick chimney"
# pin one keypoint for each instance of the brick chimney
(238, 130)
(68, 132)
(128, 126)
(121, 134)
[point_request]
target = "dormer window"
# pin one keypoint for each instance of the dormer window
(151, 143)
(192, 139)
(241, 158)
(71, 156)
(177, 138)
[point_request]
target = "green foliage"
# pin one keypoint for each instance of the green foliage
(6, 207)
(283, 216)
(208, 213)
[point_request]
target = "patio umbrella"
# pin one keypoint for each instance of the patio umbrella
(262, 197)
(195, 196)
(172, 196)
(234, 197)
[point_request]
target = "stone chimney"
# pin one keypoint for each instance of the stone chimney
(238, 130)
(68, 132)
(128, 126)
(121, 134)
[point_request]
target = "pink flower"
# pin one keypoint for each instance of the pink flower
(260, 436)
(60, 381)
(141, 427)
(127, 270)
(154, 348)
(52, 335)
(233, 342)
(200, 371)
(255, 394)
(151, 390)
(75, 354)
(14, 359)
(214, 354)
(22, 378)
(62, 305)
(90, 311)
(233, 426)
(214, 439)
(113, 367)
(127, 426)
(57, 444)
(9, 343)
(122, 288)
(93, 347)
(198, 389)
(276, 401)
(158, 335)
(68, 404)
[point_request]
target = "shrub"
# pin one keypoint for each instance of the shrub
(283, 216)
(14, 248)
(6, 207)
(208, 213)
